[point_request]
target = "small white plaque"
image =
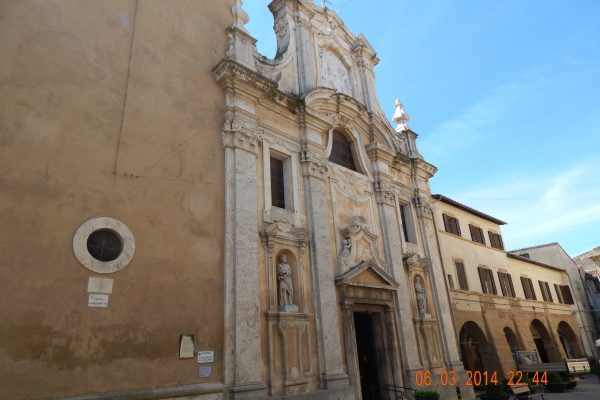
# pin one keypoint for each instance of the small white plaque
(100, 285)
(186, 346)
(204, 372)
(98, 300)
(206, 357)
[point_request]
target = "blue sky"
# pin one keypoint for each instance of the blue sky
(505, 97)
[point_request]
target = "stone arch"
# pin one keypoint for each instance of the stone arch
(545, 346)
(512, 340)
(476, 351)
(569, 341)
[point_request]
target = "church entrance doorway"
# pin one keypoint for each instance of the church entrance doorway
(368, 337)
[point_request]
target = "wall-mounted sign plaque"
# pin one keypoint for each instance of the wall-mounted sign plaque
(97, 300)
(206, 357)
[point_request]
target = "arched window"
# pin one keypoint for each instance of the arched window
(341, 151)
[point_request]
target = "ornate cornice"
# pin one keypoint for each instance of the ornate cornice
(229, 69)
(282, 231)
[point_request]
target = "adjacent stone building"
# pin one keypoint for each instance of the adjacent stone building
(588, 268)
(584, 289)
(184, 218)
(501, 302)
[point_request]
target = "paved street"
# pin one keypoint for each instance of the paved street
(588, 389)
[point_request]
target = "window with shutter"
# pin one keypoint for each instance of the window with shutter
(488, 285)
(566, 294)
(559, 296)
(528, 288)
(496, 240)
(548, 292)
(451, 224)
(462, 277)
(545, 289)
(476, 234)
(506, 284)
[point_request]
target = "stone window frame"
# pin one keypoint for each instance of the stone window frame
(292, 195)
(87, 260)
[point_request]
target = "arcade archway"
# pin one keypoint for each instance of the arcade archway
(476, 351)
(569, 341)
(544, 344)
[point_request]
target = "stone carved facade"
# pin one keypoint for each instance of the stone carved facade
(340, 232)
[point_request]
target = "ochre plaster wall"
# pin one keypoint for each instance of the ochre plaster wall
(109, 108)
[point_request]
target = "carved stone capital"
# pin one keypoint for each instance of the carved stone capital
(385, 191)
(423, 208)
(314, 166)
(240, 139)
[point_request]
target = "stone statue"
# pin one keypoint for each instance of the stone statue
(421, 298)
(346, 248)
(286, 289)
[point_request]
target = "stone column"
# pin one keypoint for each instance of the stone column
(327, 319)
(242, 358)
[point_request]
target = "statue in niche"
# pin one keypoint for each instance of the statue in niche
(286, 288)
(421, 297)
(346, 248)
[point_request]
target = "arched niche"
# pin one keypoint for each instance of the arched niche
(283, 238)
(297, 293)
(422, 296)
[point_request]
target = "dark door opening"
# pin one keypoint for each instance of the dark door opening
(539, 344)
(367, 356)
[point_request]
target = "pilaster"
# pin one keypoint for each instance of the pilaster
(389, 214)
(331, 365)
(242, 314)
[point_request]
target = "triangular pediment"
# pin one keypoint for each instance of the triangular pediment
(367, 274)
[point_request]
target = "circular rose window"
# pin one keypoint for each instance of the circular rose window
(104, 245)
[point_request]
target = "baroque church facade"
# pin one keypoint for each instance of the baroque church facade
(340, 198)
(289, 240)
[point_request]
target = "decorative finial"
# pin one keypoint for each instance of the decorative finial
(400, 117)
(240, 17)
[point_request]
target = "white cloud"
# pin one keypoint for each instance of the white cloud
(472, 123)
(541, 207)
